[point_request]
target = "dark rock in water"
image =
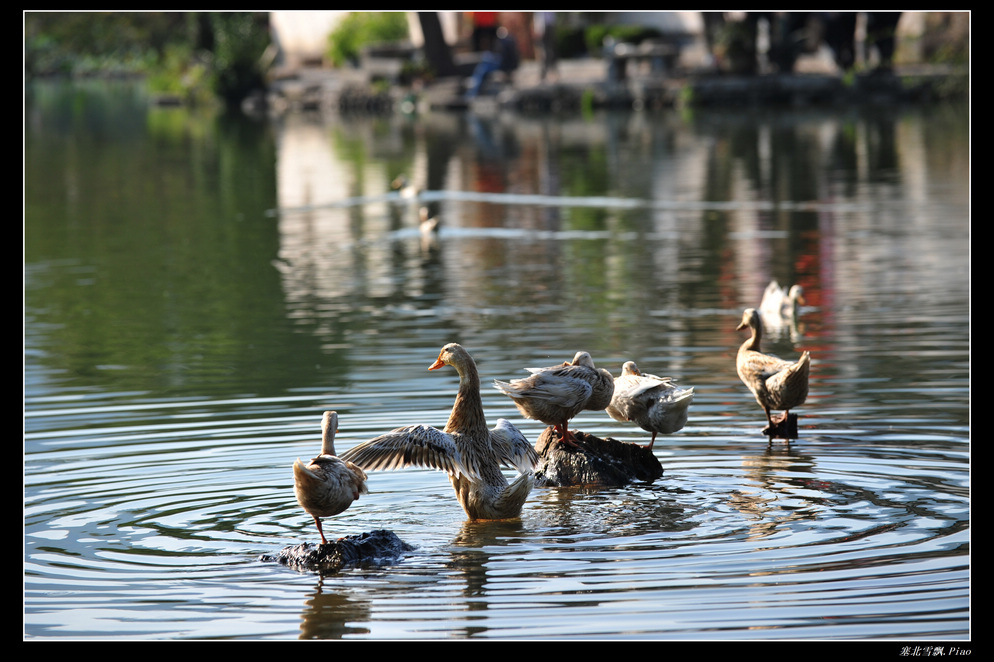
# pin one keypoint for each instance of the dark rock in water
(782, 428)
(597, 462)
(373, 548)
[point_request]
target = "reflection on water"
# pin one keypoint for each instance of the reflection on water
(199, 289)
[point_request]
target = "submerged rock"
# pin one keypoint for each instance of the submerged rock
(597, 462)
(374, 548)
(782, 428)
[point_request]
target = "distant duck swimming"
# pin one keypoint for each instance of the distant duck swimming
(556, 394)
(403, 186)
(655, 404)
(327, 485)
(428, 227)
(428, 224)
(469, 452)
(779, 307)
(776, 383)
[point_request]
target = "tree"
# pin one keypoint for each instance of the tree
(437, 51)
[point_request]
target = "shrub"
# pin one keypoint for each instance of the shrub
(360, 29)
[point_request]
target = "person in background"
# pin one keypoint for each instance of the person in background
(484, 30)
(545, 29)
(504, 57)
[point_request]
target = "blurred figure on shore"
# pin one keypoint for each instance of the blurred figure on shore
(881, 27)
(484, 30)
(840, 35)
(545, 31)
(504, 57)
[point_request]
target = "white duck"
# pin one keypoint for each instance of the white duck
(655, 404)
(780, 303)
(556, 394)
(776, 383)
(327, 485)
(466, 450)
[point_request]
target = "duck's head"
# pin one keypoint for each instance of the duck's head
(583, 358)
(629, 368)
(452, 354)
(796, 295)
(750, 320)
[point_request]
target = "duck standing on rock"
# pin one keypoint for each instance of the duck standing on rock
(777, 384)
(327, 485)
(556, 394)
(655, 404)
(469, 452)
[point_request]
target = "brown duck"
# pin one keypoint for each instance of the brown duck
(327, 485)
(469, 452)
(556, 394)
(777, 384)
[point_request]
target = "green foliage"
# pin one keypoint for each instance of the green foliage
(240, 39)
(571, 41)
(629, 34)
(360, 29)
(105, 42)
(189, 54)
(182, 73)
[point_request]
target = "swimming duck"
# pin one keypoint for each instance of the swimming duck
(556, 394)
(405, 187)
(428, 228)
(327, 485)
(777, 384)
(781, 303)
(428, 224)
(466, 450)
(655, 404)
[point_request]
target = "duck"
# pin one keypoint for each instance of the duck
(466, 450)
(403, 186)
(554, 395)
(428, 228)
(429, 224)
(782, 304)
(776, 383)
(655, 404)
(327, 485)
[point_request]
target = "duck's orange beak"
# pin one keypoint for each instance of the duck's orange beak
(437, 364)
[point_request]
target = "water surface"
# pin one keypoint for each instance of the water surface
(198, 289)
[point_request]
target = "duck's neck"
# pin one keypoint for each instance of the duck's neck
(753, 342)
(467, 412)
(328, 444)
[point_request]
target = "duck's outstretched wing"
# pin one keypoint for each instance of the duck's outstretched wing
(512, 448)
(414, 445)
